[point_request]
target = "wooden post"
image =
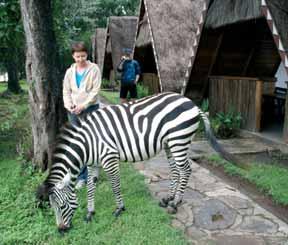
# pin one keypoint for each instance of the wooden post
(248, 61)
(214, 58)
(285, 128)
(258, 105)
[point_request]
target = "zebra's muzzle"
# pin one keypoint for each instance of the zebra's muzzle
(62, 229)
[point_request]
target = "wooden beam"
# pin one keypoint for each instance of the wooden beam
(247, 63)
(214, 58)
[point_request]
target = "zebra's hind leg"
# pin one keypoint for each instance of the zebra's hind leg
(174, 179)
(113, 172)
(185, 172)
(93, 176)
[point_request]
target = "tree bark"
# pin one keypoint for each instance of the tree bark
(45, 84)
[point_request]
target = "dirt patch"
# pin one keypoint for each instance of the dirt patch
(248, 189)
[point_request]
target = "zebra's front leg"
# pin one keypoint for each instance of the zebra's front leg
(93, 176)
(184, 174)
(113, 172)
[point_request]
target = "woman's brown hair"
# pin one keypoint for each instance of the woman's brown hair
(79, 47)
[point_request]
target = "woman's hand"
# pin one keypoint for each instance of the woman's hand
(77, 109)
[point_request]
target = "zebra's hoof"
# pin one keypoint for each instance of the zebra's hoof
(118, 211)
(164, 202)
(95, 179)
(89, 217)
(171, 208)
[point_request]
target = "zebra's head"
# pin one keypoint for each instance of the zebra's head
(62, 199)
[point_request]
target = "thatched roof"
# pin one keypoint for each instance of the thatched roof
(240, 38)
(174, 27)
(100, 42)
(143, 36)
(279, 11)
(122, 31)
(224, 12)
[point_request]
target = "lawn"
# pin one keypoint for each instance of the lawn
(271, 179)
(23, 84)
(21, 222)
(112, 97)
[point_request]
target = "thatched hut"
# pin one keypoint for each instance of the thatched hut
(236, 54)
(163, 45)
(98, 47)
(121, 33)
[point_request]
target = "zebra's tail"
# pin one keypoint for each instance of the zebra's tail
(214, 143)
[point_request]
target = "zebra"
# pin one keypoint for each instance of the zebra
(133, 131)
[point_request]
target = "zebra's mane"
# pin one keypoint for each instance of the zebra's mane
(66, 129)
(84, 118)
(63, 130)
(42, 192)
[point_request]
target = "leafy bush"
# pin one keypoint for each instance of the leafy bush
(226, 125)
(142, 91)
(106, 84)
(205, 105)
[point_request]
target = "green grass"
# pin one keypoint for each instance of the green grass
(271, 179)
(3, 87)
(21, 222)
(112, 97)
(23, 84)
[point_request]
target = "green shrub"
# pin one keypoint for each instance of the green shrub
(205, 105)
(224, 125)
(142, 91)
(106, 84)
(227, 125)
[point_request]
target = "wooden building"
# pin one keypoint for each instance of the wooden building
(121, 33)
(98, 47)
(236, 53)
(165, 31)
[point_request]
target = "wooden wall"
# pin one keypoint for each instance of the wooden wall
(241, 94)
(151, 81)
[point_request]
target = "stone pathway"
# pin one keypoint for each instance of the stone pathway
(212, 211)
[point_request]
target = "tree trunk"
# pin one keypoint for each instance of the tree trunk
(12, 70)
(45, 84)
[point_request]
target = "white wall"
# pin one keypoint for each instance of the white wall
(4, 77)
(281, 76)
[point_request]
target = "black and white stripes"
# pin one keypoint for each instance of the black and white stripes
(130, 132)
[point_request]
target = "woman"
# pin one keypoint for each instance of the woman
(81, 86)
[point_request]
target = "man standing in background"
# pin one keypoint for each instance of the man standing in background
(130, 70)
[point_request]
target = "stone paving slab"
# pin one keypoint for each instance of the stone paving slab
(214, 212)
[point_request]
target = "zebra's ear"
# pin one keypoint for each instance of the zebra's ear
(65, 181)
